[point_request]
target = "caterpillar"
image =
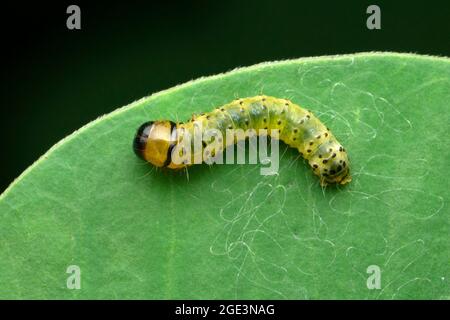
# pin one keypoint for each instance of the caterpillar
(155, 141)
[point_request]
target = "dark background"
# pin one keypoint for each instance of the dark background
(55, 80)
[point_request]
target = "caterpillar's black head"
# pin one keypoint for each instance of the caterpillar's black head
(141, 137)
(154, 141)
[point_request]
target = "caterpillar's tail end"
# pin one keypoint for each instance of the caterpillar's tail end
(346, 180)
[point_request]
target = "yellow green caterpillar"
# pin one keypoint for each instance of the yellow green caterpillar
(299, 128)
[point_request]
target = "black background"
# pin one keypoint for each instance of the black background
(284, 309)
(55, 80)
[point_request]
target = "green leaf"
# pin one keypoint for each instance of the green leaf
(229, 232)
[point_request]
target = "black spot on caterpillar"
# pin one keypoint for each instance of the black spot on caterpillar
(297, 127)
